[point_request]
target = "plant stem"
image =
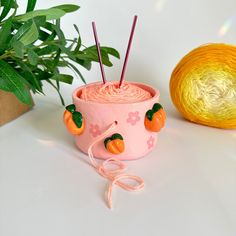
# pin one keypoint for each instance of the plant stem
(6, 55)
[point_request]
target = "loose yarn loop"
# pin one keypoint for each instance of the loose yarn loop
(115, 175)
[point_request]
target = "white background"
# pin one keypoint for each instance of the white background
(47, 187)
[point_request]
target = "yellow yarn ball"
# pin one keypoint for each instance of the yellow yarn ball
(203, 86)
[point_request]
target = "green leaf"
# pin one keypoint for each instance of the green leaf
(48, 65)
(51, 14)
(106, 141)
(71, 108)
(111, 51)
(59, 32)
(105, 50)
(31, 35)
(18, 48)
(77, 118)
(3, 85)
(63, 78)
(56, 31)
(6, 8)
(149, 114)
(85, 63)
(5, 35)
(156, 107)
(43, 36)
(42, 74)
(105, 58)
(91, 54)
(47, 50)
(76, 28)
(67, 51)
(117, 136)
(31, 5)
(15, 83)
(39, 20)
(22, 30)
(30, 76)
(62, 64)
(55, 70)
(73, 42)
(79, 39)
(73, 67)
(58, 91)
(28, 80)
(51, 36)
(67, 7)
(4, 2)
(49, 26)
(56, 59)
(16, 25)
(77, 48)
(32, 57)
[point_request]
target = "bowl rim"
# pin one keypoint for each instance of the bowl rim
(155, 95)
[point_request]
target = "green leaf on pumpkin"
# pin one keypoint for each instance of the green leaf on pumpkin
(77, 118)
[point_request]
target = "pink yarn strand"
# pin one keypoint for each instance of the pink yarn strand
(116, 175)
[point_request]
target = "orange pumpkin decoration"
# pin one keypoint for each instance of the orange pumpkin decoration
(155, 118)
(115, 144)
(73, 120)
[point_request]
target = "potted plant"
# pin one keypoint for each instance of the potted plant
(32, 49)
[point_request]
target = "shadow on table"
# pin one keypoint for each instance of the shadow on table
(46, 124)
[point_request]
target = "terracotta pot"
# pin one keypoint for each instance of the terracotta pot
(10, 107)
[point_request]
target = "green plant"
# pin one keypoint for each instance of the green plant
(33, 47)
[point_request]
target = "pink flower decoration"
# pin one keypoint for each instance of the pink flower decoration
(94, 130)
(150, 142)
(133, 117)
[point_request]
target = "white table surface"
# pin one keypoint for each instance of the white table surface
(47, 187)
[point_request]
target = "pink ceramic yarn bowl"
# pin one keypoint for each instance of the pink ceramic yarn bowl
(130, 124)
